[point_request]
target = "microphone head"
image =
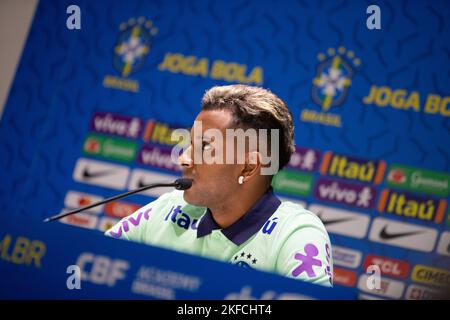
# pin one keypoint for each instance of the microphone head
(183, 183)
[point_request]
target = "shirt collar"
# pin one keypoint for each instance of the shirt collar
(245, 226)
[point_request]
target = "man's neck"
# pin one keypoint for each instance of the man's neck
(225, 214)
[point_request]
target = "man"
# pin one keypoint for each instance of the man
(230, 213)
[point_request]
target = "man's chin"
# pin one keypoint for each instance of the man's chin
(187, 196)
(190, 198)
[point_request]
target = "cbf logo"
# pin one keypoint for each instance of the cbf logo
(130, 51)
(334, 77)
(245, 260)
(133, 45)
(330, 85)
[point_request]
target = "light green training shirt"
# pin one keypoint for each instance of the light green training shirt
(273, 236)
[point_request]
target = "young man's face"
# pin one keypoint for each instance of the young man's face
(211, 182)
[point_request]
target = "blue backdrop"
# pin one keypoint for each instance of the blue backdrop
(371, 112)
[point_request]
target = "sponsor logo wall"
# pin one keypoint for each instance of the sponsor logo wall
(90, 115)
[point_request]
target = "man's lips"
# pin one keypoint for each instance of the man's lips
(187, 177)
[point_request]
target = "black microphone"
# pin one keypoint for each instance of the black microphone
(179, 184)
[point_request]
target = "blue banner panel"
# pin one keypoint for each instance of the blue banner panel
(41, 261)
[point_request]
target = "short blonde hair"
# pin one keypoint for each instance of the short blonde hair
(257, 108)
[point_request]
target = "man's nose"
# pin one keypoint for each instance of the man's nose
(185, 159)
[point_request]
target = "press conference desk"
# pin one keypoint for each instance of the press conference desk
(57, 261)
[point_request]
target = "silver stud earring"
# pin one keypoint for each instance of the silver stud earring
(241, 179)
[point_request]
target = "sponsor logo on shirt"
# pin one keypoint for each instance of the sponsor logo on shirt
(411, 206)
(342, 222)
(388, 266)
(181, 219)
(309, 264)
(307, 261)
(130, 223)
(269, 226)
(419, 180)
(351, 168)
(403, 235)
(327, 268)
(350, 194)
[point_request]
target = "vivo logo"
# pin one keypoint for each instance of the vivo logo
(116, 125)
(132, 221)
(157, 157)
(356, 195)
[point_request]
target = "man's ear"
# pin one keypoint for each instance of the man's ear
(252, 164)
